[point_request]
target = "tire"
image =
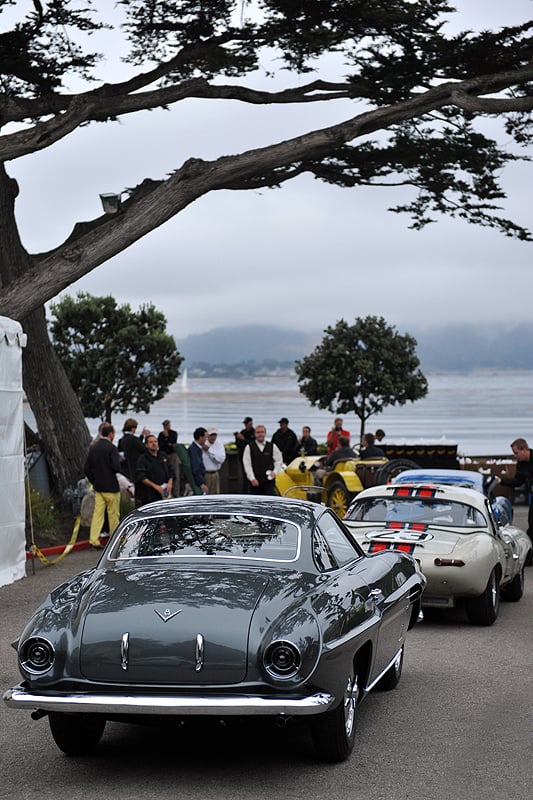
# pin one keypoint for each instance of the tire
(339, 498)
(76, 734)
(484, 609)
(391, 678)
(334, 732)
(388, 471)
(514, 591)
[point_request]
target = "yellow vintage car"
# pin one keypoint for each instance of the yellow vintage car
(307, 478)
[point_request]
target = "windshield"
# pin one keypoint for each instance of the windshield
(428, 511)
(218, 535)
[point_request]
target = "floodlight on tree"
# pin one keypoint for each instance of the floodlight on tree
(111, 202)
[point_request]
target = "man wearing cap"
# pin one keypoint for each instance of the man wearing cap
(242, 438)
(213, 457)
(286, 441)
(167, 441)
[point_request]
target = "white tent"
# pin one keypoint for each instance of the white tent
(12, 505)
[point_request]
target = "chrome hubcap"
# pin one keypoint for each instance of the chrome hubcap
(350, 700)
(494, 592)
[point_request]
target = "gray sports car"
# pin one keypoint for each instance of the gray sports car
(226, 605)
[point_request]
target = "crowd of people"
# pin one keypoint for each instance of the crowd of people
(151, 467)
(148, 468)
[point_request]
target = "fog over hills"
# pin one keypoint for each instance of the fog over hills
(450, 348)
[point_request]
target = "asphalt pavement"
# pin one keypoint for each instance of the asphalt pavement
(459, 725)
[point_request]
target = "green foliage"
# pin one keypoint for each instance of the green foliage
(41, 513)
(116, 359)
(40, 50)
(389, 54)
(362, 368)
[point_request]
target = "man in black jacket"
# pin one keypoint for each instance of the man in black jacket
(370, 449)
(286, 441)
(153, 474)
(101, 468)
(523, 476)
(132, 446)
(343, 453)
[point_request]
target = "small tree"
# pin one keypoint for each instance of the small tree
(362, 368)
(116, 359)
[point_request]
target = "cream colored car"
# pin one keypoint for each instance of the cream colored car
(468, 558)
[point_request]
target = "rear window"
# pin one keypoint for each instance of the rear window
(415, 510)
(210, 535)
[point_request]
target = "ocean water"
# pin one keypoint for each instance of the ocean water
(481, 411)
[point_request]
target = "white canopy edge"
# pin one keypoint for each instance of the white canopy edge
(12, 507)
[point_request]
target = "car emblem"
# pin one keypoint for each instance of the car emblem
(167, 614)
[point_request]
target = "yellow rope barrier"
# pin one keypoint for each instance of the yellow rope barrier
(35, 551)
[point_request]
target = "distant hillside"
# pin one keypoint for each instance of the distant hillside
(247, 343)
(465, 347)
(265, 349)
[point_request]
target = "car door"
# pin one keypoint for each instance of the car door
(351, 609)
(505, 546)
(373, 590)
(390, 580)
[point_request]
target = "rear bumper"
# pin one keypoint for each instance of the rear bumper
(161, 705)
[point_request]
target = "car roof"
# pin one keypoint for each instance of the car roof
(302, 512)
(448, 477)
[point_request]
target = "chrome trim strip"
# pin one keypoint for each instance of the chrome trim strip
(382, 673)
(199, 652)
(19, 697)
(124, 650)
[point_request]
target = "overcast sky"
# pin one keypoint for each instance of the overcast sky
(302, 256)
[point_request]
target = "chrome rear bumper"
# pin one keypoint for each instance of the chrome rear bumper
(221, 705)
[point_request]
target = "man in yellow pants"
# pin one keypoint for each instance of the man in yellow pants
(101, 468)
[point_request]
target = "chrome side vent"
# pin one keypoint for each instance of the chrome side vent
(124, 650)
(199, 652)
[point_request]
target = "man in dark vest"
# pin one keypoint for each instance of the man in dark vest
(261, 461)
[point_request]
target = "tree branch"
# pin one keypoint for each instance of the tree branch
(104, 103)
(91, 244)
(78, 109)
(491, 105)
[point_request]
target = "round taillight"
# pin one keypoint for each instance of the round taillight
(37, 655)
(282, 659)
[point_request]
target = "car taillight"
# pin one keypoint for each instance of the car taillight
(37, 655)
(282, 659)
(449, 562)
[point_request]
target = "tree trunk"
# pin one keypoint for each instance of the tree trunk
(59, 417)
(58, 414)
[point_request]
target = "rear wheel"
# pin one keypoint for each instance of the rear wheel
(483, 610)
(334, 732)
(391, 678)
(76, 734)
(339, 498)
(388, 471)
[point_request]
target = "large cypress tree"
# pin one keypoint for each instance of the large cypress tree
(417, 98)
